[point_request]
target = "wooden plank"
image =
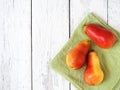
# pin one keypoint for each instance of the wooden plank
(80, 8)
(114, 14)
(50, 32)
(113, 20)
(15, 48)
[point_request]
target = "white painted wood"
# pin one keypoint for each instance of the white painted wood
(15, 48)
(50, 33)
(80, 8)
(114, 14)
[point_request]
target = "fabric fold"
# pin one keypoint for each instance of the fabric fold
(109, 59)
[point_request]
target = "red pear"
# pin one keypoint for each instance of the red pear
(93, 74)
(104, 38)
(76, 57)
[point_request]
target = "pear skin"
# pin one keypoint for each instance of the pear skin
(102, 37)
(76, 57)
(93, 74)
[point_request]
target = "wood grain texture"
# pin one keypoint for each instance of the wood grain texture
(50, 32)
(15, 59)
(114, 14)
(80, 8)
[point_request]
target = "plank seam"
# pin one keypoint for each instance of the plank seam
(69, 19)
(107, 11)
(31, 51)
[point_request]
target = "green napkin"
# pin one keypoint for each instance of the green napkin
(109, 59)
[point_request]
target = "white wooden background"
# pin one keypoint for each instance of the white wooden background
(33, 31)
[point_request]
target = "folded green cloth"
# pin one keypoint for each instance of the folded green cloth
(109, 59)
